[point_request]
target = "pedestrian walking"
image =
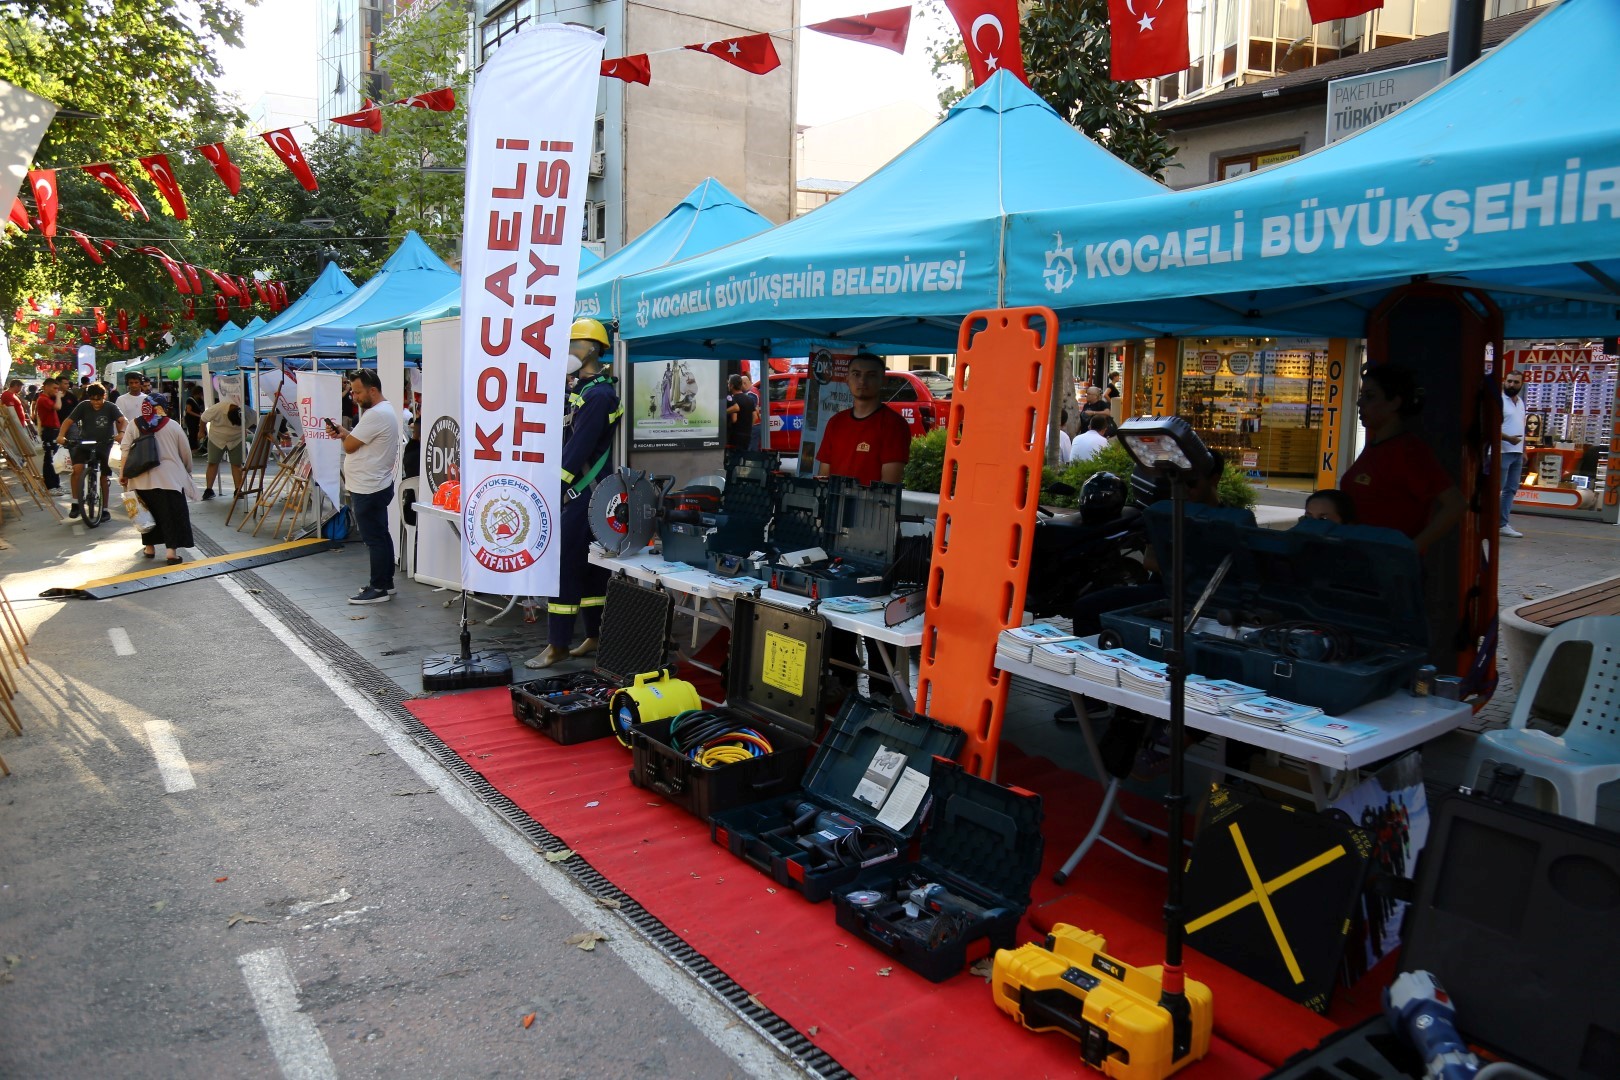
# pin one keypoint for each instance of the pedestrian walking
(165, 488)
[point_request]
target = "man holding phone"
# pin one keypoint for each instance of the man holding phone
(370, 458)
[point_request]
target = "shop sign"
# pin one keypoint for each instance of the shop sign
(1210, 362)
(1164, 378)
(1327, 472)
(1360, 101)
(1562, 498)
(1238, 363)
(1251, 459)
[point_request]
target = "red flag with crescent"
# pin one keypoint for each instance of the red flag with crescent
(224, 168)
(19, 215)
(189, 311)
(222, 307)
(223, 281)
(1328, 10)
(108, 245)
(369, 117)
(43, 184)
(89, 248)
(754, 53)
(84, 335)
(286, 147)
(50, 332)
(109, 180)
(1147, 38)
(123, 321)
(162, 174)
(440, 100)
(140, 342)
(885, 29)
(141, 322)
(191, 276)
(101, 320)
(990, 33)
(630, 69)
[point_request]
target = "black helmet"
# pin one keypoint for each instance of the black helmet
(1102, 498)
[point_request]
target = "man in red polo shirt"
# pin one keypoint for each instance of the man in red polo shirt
(867, 441)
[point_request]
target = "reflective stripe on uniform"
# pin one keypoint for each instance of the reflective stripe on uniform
(561, 609)
(567, 477)
(613, 417)
(592, 601)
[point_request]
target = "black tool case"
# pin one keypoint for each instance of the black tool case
(1363, 583)
(774, 688)
(857, 771)
(573, 708)
(737, 543)
(983, 846)
(1517, 913)
(862, 532)
(684, 526)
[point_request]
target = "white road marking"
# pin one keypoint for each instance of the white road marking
(294, 1038)
(120, 641)
(757, 1055)
(171, 761)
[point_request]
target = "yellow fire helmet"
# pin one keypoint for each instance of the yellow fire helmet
(589, 330)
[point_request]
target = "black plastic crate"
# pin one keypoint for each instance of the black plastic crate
(871, 772)
(573, 708)
(774, 688)
(684, 526)
(1369, 1051)
(745, 513)
(862, 531)
(963, 898)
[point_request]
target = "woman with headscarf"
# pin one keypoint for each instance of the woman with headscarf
(165, 488)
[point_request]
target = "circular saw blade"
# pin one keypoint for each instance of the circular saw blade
(624, 512)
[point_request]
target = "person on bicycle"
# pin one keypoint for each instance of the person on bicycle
(93, 420)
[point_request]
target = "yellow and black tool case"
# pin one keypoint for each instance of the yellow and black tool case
(756, 745)
(965, 894)
(864, 798)
(573, 708)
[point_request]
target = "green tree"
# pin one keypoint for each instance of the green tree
(410, 173)
(1065, 45)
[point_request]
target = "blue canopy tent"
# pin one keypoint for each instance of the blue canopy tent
(710, 216)
(326, 290)
(1505, 178)
(192, 363)
(897, 261)
(412, 276)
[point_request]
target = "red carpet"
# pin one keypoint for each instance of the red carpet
(792, 956)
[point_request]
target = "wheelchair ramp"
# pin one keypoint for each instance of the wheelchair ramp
(162, 574)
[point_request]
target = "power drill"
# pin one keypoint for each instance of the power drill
(836, 838)
(1419, 1008)
(938, 900)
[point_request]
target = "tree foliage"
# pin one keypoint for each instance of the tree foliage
(1065, 45)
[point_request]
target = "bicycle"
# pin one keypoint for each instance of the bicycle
(91, 501)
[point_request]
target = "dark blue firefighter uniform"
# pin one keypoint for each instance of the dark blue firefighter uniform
(593, 416)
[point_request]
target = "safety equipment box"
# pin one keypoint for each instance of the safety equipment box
(1516, 913)
(965, 894)
(773, 695)
(684, 525)
(860, 532)
(865, 796)
(1329, 616)
(736, 546)
(573, 707)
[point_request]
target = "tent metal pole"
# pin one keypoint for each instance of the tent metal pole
(1467, 34)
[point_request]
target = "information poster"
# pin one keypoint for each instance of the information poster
(676, 404)
(1570, 412)
(320, 398)
(828, 394)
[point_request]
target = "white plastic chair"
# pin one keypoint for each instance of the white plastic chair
(1587, 755)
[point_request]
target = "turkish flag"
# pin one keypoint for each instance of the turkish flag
(224, 167)
(440, 100)
(753, 53)
(50, 332)
(990, 32)
(885, 29)
(108, 245)
(1328, 10)
(1148, 38)
(226, 285)
(101, 320)
(177, 275)
(140, 342)
(19, 215)
(84, 335)
(43, 184)
(33, 326)
(370, 117)
(109, 180)
(89, 248)
(286, 147)
(630, 69)
(157, 167)
(123, 321)
(222, 307)
(140, 321)
(191, 275)
(189, 311)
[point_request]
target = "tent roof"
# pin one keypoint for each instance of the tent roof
(411, 277)
(901, 257)
(1505, 178)
(326, 290)
(169, 364)
(710, 216)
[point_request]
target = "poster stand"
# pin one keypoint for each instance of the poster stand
(258, 459)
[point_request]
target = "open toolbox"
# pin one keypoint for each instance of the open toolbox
(864, 798)
(964, 896)
(861, 529)
(1324, 615)
(573, 708)
(737, 544)
(1516, 914)
(773, 690)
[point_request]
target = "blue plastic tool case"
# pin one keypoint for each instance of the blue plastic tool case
(861, 529)
(850, 775)
(983, 845)
(773, 686)
(1364, 583)
(744, 517)
(573, 707)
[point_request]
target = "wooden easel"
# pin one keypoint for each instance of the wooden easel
(276, 489)
(296, 502)
(258, 460)
(21, 453)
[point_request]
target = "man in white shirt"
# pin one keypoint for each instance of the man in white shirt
(370, 460)
(129, 402)
(1088, 444)
(1512, 464)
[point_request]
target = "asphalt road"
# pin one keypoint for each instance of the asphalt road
(217, 859)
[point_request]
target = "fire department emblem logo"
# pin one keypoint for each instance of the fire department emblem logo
(643, 312)
(1061, 268)
(508, 523)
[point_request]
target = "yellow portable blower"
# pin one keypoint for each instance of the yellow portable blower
(1114, 1011)
(656, 695)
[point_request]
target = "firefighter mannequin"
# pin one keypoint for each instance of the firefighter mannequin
(592, 419)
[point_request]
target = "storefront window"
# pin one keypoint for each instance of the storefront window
(1259, 401)
(1569, 412)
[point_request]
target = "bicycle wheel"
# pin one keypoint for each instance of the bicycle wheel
(92, 495)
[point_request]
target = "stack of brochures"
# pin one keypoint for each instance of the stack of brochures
(1017, 643)
(1330, 729)
(1148, 677)
(1266, 711)
(1217, 695)
(854, 605)
(1058, 656)
(1103, 666)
